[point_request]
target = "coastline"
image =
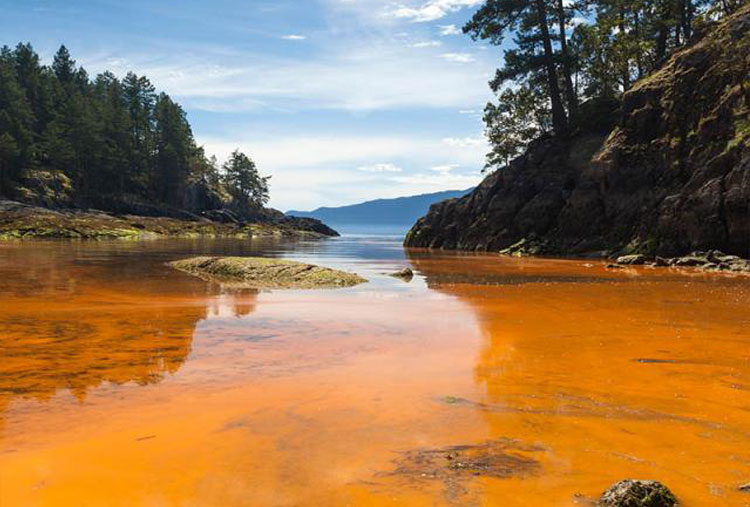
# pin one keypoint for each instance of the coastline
(20, 221)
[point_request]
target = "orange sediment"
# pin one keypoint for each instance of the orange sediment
(485, 381)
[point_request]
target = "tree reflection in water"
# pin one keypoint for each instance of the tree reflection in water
(67, 324)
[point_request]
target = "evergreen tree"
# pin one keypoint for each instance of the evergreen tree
(117, 142)
(520, 116)
(140, 96)
(529, 20)
(249, 190)
(16, 123)
(64, 66)
(174, 148)
(549, 61)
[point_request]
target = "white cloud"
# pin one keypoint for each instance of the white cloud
(432, 10)
(463, 142)
(444, 169)
(311, 171)
(449, 30)
(380, 168)
(440, 181)
(458, 57)
(467, 111)
(360, 76)
(427, 44)
(298, 115)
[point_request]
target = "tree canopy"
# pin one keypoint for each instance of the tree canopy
(117, 141)
(562, 52)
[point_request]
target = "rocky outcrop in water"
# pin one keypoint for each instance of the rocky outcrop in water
(633, 493)
(262, 273)
(672, 176)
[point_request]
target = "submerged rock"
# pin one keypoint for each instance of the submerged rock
(632, 260)
(262, 273)
(635, 493)
(405, 274)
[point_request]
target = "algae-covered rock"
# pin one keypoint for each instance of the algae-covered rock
(24, 221)
(405, 274)
(262, 273)
(634, 493)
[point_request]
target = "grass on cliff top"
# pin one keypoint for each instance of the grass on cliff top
(261, 273)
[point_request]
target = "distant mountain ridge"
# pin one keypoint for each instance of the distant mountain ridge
(397, 211)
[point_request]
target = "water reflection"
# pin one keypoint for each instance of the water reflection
(80, 350)
(74, 318)
(638, 376)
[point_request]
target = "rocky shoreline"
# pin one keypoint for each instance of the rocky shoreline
(663, 173)
(20, 221)
(713, 260)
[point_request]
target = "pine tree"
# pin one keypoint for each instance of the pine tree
(248, 188)
(174, 148)
(529, 20)
(16, 123)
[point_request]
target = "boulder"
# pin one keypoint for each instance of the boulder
(690, 261)
(405, 274)
(637, 493)
(633, 260)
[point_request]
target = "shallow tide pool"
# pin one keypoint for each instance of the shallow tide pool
(484, 381)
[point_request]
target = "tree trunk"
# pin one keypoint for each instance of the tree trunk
(663, 34)
(625, 69)
(570, 92)
(559, 120)
(686, 19)
(637, 31)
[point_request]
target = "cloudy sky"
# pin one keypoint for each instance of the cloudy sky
(339, 100)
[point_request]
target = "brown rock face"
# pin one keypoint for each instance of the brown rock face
(672, 176)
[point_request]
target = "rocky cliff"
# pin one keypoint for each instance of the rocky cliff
(671, 176)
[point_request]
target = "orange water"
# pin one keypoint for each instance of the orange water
(125, 383)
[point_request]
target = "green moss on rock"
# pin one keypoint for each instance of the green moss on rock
(262, 273)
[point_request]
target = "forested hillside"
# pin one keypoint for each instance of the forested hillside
(69, 140)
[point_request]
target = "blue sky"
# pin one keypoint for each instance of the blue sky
(339, 100)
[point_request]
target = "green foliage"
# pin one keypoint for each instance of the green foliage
(117, 141)
(533, 55)
(248, 188)
(520, 116)
(551, 65)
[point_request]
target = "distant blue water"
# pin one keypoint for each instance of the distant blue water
(390, 230)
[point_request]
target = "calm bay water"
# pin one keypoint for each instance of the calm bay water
(484, 381)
